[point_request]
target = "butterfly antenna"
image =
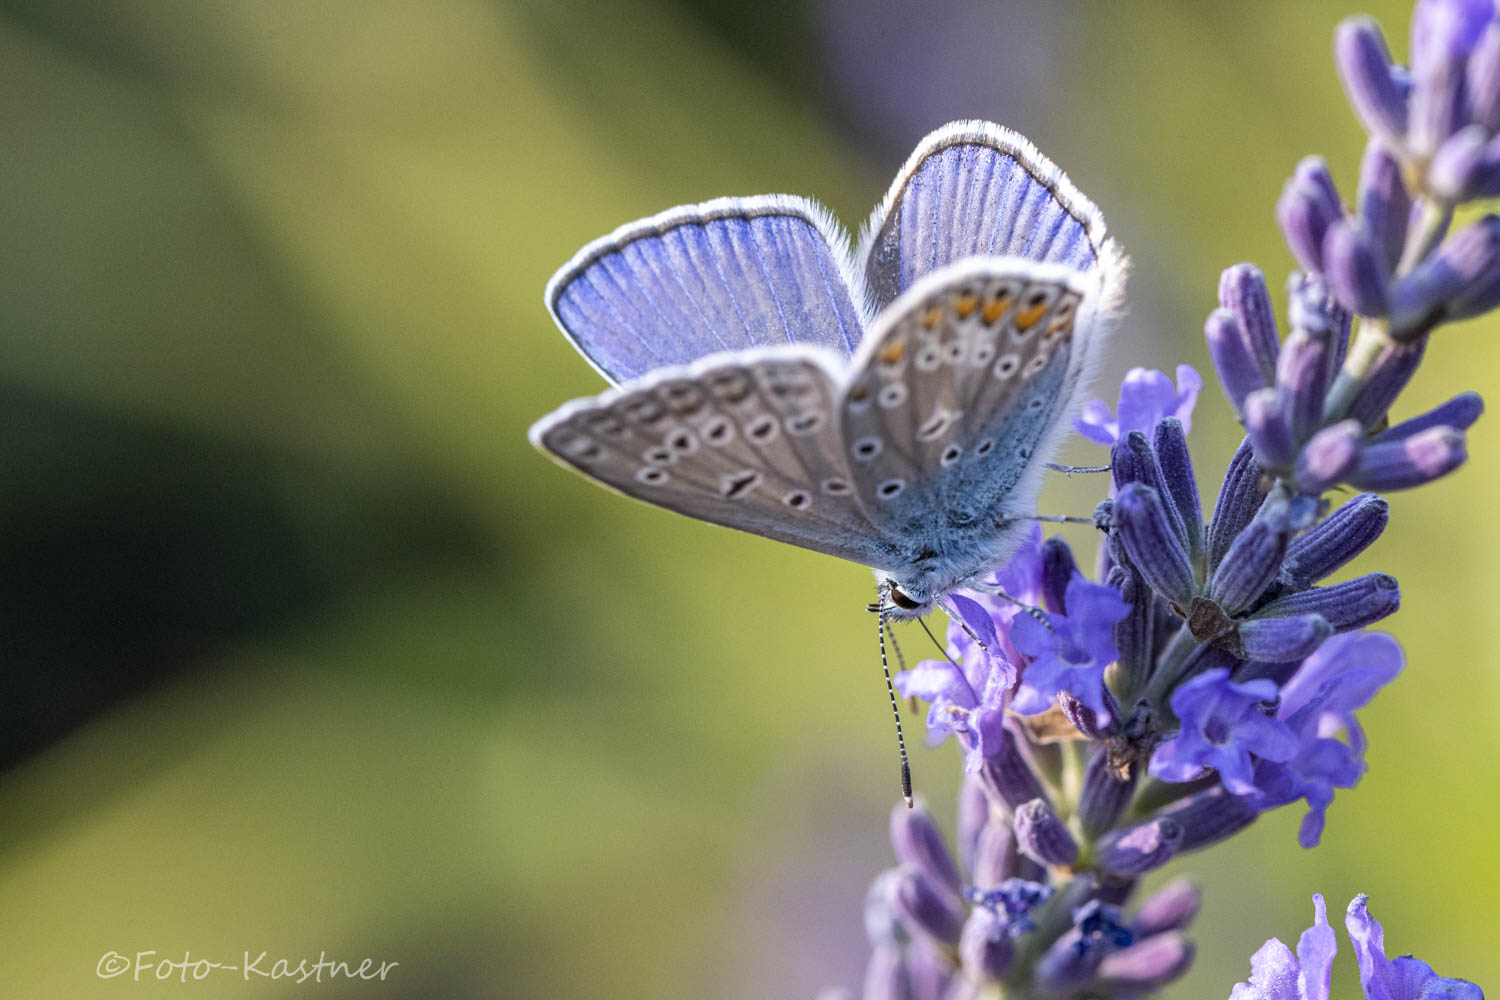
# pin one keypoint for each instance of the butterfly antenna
(890, 689)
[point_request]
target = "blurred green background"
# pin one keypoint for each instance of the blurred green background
(306, 650)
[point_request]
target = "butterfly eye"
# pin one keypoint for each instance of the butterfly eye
(901, 601)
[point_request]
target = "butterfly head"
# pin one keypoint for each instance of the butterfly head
(903, 602)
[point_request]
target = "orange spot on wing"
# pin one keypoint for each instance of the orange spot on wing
(966, 305)
(932, 317)
(995, 309)
(892, 354)
(1026, 318)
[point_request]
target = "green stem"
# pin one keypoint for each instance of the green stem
(1371, 340)
(1169, 665)
(1421, 238)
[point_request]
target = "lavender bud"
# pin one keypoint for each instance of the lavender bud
(1420, 458)
(1276, 640)
(1348, 605)
(1103, 796)
(1457, 167)
(1239, 498)
(1169, 442)
(1228, 346)
(998, 857)
(1268, 423)
(1058, 568)
(1132, 460)
(1042, 837)
(1461, 279)
(1147, 532)
(931, 969)
(1308, 205)
(1328, 457)
(1364, 64)
(1384, 205)
(1071, 960)
(1311, 306)
(984, 947)
(1243, 291)
(1388, 376)
(1133, 633)
(1253, 560)
(886, 975)
(1210, 816)
(918, 842)
(1146, 967)
(973, 817)
(1082, 717)
(1484, 79)
(926, 909)
(1357, 271)
(1141, 849)
(1460, 412)
(1170, 908)
(1340, 537)
(1302, 375)
(1007, 777)
(1443, 33)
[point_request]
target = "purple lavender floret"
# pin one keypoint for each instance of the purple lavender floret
(1146, 396)
(1223, 726)
(1069, 652)
(1318, 703)
(1278, 974)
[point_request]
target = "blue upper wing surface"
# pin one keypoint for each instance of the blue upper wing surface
(976, 189)
(724, 275)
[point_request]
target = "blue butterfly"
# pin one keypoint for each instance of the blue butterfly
(895, 406)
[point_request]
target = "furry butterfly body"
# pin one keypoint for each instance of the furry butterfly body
(895, 407)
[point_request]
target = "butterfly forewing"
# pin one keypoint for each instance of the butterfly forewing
(976, 189)
(956, 391)
(724, 275)
(750, 441)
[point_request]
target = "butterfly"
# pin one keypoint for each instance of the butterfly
(894, 406)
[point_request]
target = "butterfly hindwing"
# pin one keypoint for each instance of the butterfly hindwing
(725, 275)
(959, 391)
(748, 441)
(976, 189)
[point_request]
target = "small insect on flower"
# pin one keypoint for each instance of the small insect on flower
(895, 407)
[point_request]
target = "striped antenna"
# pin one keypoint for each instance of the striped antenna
(890, 689)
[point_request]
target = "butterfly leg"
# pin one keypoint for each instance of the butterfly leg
(1068, 470)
